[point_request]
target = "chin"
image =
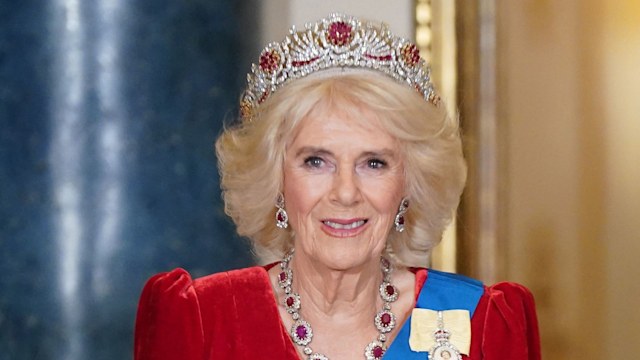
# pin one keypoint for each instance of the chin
(345, 258)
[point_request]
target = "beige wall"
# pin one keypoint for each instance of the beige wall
(569, 95)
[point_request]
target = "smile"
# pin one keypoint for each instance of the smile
(347, 226)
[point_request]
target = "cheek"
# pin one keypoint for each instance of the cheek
(385, 196)
(301, 193)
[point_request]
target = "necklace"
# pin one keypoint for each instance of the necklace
(301, 332)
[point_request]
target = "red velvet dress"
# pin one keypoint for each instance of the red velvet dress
(233, 315)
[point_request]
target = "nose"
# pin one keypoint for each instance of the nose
(346, 188)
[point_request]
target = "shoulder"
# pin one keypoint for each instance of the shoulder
(225, 287)
(443, 291)
(447, 278)
(507, 311)
(168, 306)
(232, 276)
(503, 292)
(174, 285)
(509, 291)
(506, 302)
(179, 284)
(178, 315)
(500, 312)
(511, 304)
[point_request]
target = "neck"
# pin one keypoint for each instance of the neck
(331, 291)
(340, 304)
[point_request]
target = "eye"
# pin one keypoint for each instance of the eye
(376, 163)
(313, 162)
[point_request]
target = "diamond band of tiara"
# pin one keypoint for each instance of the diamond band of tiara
(336, 41)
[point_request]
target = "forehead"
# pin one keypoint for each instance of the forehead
(346, 127)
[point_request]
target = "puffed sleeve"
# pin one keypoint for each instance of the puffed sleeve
(168, 323)
(506, 318)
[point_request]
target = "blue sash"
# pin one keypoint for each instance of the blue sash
(441, 291)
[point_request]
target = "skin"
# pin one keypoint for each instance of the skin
(342, 171)
(343, 183)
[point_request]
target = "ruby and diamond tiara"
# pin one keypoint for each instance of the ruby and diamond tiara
(337, 41)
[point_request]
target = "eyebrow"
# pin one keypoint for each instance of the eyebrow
(322, 151)
(313, 150)
(381, 153)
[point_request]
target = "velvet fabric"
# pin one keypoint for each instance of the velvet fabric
(234, 315)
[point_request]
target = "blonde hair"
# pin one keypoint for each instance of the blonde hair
(251, 156)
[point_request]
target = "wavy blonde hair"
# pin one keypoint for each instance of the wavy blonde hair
(251, 156)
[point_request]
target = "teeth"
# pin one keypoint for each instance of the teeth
(353, 225)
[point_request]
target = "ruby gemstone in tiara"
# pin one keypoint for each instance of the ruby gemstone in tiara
(298, 63)
(270, 60)
(340, 33)
(410, 54)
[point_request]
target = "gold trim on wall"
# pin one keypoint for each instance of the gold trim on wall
(436, 40)
(460, 44)
(481, 248)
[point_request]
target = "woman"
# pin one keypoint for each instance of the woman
(344, 154)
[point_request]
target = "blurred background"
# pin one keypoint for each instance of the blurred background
(109, 110)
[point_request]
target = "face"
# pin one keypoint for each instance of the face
(343, 183)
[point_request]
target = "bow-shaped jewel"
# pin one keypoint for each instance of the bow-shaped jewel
(431, 329)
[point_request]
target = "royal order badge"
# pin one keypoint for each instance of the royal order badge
(443, 349)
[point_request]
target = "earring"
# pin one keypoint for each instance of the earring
(282, 220)
(399, 221)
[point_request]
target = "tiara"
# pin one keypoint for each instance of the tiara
(337, 41)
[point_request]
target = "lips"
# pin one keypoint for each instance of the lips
(344, 226)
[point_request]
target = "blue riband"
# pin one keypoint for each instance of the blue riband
(441, 291)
